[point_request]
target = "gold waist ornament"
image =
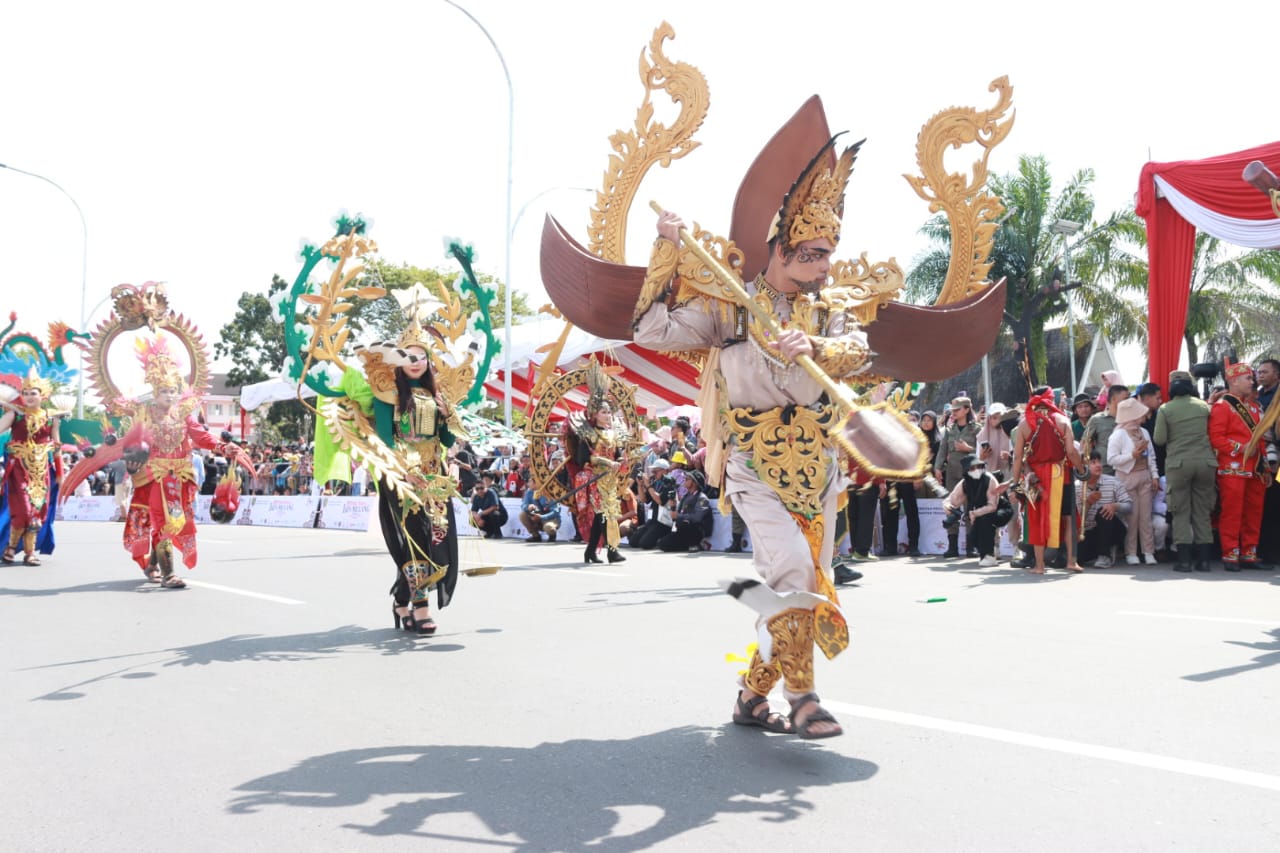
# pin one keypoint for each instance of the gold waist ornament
(34, 456)
(161, 466)
(789, 449)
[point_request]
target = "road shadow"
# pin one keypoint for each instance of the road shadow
(138, 584)
(285, 648)
(1270, 657)
(575, 795)
(636, 597)
(1007, 576)
(323, 555)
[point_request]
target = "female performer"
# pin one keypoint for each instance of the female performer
(27, 474)
(597, 447)
(412, 426)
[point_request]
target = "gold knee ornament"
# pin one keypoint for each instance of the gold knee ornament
(792, 633)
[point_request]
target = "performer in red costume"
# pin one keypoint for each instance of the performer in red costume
(157, 452)
(1242, 483)
(1042, 445)
(28, 471)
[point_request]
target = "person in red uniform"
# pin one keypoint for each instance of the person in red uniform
(1241, 482)
(157, 452)
(28, 470)
(1042, 447)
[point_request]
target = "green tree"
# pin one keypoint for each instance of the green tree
(383, 315)
(1028, 254)
(254, 341)
(1233, 307)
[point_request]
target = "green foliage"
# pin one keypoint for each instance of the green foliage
(1028, 254)
(254, 339)
(1233, 306)
(384, 317)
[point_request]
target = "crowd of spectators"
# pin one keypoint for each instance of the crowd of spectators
(1131, 510)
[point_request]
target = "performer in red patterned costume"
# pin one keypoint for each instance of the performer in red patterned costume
(1042, 447)
(28, 471)
(157, 452)
(1242, 483)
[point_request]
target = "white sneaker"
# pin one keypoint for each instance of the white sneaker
(1103, 563)
(1149, 559)
(1132, 559)
(987, 562)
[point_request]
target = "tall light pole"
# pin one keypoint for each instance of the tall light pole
(84, 270)
(1066, 228)
(511, 114)
(520, 213)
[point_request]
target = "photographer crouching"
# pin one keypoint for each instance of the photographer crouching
(978, 496)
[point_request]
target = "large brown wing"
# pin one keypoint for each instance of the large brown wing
(769, 178)
(596, 295)
(929, 344)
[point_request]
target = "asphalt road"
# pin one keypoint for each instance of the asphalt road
(570, 707)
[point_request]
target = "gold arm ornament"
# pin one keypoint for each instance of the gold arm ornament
(855, 422)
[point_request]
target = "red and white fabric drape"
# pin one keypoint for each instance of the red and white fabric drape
(1178, 198)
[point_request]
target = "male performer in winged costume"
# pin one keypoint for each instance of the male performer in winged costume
(783, 489)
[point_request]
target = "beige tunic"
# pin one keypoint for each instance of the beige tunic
(757, 381)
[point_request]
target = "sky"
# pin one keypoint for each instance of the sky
(204, 142)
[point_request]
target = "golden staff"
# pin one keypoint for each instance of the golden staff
(877, 423)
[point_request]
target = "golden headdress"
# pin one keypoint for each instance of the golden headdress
(597, 387)
(418, 305)
(35, 380)
(815, 203)
(159, 369)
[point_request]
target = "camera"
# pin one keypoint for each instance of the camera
(1205, 370)
(953, 517)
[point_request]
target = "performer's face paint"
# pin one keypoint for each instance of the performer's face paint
(415, 370)
(807, 268)
(32, 397)
(166, 396)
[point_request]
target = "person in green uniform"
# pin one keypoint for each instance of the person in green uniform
(1191, 488)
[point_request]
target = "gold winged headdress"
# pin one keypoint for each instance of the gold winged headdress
(814, 206)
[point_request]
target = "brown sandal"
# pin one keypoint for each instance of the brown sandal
(9, 557)
(818, 715)
(30, 560)
(746, 715)
(173, 582)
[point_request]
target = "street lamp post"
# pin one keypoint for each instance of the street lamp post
(520, 213)
(1066, 228)
(511, 112)
(84, 269)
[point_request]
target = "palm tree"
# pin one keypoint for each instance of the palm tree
(1026, 252)
(1233, 307)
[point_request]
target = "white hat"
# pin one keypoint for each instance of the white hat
(661, 463)
(997, 409)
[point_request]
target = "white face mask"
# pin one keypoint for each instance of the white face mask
(976, 473)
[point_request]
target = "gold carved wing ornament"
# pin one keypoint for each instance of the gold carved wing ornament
(635, 151)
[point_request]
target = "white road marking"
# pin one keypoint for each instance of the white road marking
(1199, 618)
(279, 599)
(1088, 750)
(588, 572)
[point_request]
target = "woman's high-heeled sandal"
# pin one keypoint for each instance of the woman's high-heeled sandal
(425, 625)
(397, 617)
